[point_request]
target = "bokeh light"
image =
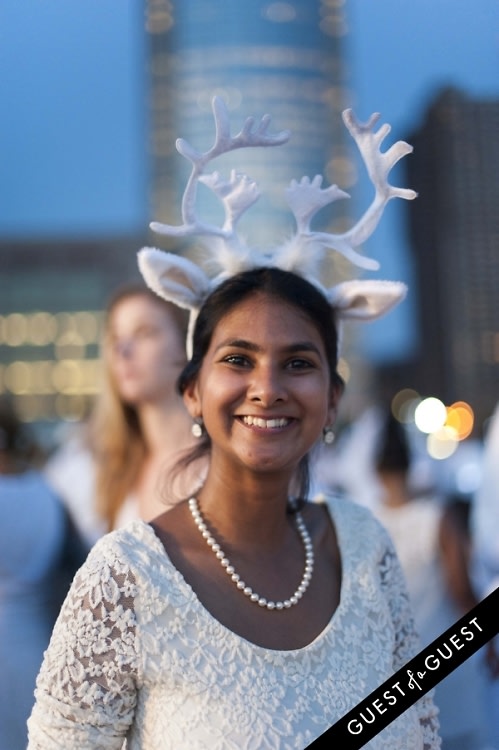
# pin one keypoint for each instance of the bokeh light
(42, 329)
(70, 345)
(404, 405)
(442, 443)
(70, 407)
(17, 378)
(15, 329)
(430, 415)
(49, 362)
(460, 418)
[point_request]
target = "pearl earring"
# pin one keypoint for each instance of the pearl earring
(328, 435)
(197, 428)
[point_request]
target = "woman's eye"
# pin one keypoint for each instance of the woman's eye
(236, 359)
(299, 364)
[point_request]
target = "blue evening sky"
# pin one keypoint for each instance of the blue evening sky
(72, 125)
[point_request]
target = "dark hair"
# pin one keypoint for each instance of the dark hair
(393, 454)
(282, 285)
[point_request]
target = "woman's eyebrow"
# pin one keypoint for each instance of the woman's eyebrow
(302, 346)
(238, 344)
(298, 346)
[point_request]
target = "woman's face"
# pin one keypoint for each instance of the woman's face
(264, 389)
(145, 350)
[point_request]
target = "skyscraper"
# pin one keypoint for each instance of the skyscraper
(454, 231)
(281, 58)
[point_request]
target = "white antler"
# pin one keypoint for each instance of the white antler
(307, 197)
(186, 284)
(238, 193)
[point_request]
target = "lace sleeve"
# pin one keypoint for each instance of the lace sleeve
(407, 642)
(86, 689)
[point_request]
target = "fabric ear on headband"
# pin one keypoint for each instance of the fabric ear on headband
(173, 277)
(367, 299)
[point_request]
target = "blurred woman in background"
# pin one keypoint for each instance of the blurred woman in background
(110, 473)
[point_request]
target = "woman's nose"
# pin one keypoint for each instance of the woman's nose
(267, 386)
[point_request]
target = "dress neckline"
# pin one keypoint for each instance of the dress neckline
(334, 507)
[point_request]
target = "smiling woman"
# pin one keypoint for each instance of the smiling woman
(245, 616)
(247, 583)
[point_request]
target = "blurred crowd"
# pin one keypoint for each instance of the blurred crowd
(447, 541)
(116, 467)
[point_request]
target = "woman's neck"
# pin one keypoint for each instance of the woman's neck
(246, 507)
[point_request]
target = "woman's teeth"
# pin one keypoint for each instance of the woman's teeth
(267, 424)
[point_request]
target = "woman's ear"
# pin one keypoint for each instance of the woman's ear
(192, 399)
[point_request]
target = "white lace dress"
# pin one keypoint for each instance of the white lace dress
(415, 528)
(135, 655)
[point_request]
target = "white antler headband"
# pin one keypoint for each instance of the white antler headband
(188, 284)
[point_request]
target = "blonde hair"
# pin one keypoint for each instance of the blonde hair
(114, 433)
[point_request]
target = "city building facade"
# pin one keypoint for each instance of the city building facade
(454, 234)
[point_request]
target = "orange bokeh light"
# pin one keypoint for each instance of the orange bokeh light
(461, 418)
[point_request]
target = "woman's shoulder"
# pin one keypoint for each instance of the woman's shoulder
(135, 544)
(131, 562)
(342, 506)
(354, 523)
(134, 551)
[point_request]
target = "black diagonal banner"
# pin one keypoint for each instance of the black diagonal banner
(414, 679)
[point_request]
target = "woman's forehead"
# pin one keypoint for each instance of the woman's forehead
(138, 307)
(264, 315)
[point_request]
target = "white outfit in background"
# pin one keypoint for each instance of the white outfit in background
(32, 525)
(71, 472)
(135, 654)
(414, 528)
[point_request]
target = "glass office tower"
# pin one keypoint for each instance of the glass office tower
(280, 58)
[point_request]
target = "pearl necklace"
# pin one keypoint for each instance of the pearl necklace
(229, 569)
